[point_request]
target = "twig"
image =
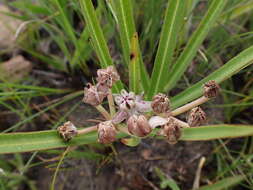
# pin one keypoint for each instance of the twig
(87, 130)
(103, 111)
(111, 103)
(189, 106)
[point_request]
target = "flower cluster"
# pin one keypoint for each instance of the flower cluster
(95, 94)
(140, 116)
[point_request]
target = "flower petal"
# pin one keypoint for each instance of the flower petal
(156, 121)
(143, 106)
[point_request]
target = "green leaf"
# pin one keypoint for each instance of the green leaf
(125, 20)
(132, 141)
(223, 184)
(244, 59)
(216, 132)
(172, 22)
(98, 39)
(42, 140)
(165, 181)
(134, 67)
(195, 41)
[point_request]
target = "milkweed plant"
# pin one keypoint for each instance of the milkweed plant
(143, 109)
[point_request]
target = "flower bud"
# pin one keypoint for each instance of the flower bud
(196, 117)
(107, 76)
(138, 125)
(119, 117)
(211, 89)
(92, 96)
(172, 131)
(67, 131)
(106, 132)
(160, 103)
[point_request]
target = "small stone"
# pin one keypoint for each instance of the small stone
(211, 89)
(67, 131)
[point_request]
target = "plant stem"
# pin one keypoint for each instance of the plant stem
(111, 103)
(103, 111)
(87, 130)
(181, 123)
(189, 106)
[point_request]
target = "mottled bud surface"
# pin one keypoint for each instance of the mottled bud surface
(138, 125)
(196, 117)
(93, 96)
(119, 117)
(160, 103)
(67, 131)
(172, 131)
(107, 76)
(106, 132)
(211, 89)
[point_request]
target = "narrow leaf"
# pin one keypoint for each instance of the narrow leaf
(172, 22)
(216, 132)
(132, 141)
(134, 68)
(244, 59)
(42, 140)
(98, 39)
(195, 41)
(223, 184)
(124, 15)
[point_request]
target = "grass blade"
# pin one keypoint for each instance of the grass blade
(172, 22)
(244, 59)
(216, 132)
(42, 140)
(195, 41)
(223, 184)
(124, 15)
(134, 68)
(98, 39)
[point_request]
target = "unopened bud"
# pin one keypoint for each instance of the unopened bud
(92, 96)
(196, 117)
(119, 117)
(211, 89)
(172, 131)
(107, 76)
(67, 131)
(106, 132)
(160, 103)
(138, 125)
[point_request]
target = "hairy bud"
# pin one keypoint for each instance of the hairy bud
(107, 76)
(211, 89)
(93, 96)
(106, 132)
(119, 117)
(138, 125)
(172, 131)
(160, 103)
(196, 117)
(67, 131)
